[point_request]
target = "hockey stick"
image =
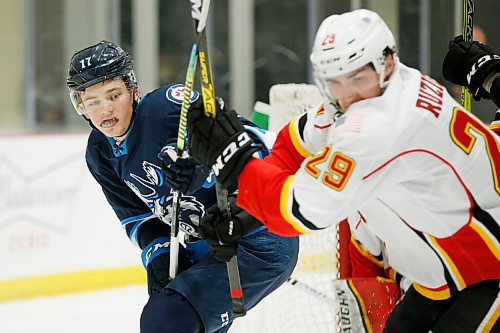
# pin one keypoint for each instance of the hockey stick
(199, 12)
(467, 24)
(181, 142)
(310, 290)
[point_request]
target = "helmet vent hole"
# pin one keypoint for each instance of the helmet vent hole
(355, 56)
(351, 41)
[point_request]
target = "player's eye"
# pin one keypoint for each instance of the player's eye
(333, 83)
(115, 96)
(93, 103)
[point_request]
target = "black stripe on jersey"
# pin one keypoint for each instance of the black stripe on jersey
(379, 257)
(497, 115)
(486, 220)
(447, 275)
(296, 212)
(398, 277)
(302, 124)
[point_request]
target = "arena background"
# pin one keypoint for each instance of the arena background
(57, 233)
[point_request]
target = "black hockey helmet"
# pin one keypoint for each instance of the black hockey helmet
(97, 63)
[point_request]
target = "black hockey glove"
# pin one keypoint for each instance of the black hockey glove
(222, 234)
(156, 260)
(469, 64)
(221, 142)
(183, 174)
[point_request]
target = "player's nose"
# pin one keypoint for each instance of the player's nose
(346, 101)
(107, 108)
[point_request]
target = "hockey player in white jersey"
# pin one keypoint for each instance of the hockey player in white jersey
(402, 148)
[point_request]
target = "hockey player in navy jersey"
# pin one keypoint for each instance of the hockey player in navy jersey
(122, 154)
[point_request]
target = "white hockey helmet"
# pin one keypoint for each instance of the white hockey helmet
(348, 42)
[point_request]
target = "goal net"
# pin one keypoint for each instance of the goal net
(304, 304)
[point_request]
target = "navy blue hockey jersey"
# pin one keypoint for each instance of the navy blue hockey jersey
(130, 173)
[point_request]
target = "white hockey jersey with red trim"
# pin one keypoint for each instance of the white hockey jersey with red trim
(306, 135)
(423, 173)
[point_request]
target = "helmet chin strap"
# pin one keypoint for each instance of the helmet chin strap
(382, 82)
(382, 79)
(336, 105)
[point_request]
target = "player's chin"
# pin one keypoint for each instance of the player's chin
(110, 132)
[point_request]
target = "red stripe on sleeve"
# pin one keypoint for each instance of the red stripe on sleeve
(284, 154)
(261, 181)
(259, 193)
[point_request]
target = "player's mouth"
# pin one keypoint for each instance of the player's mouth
(107, 123)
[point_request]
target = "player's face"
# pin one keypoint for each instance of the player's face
(354, 86)
(109, 106)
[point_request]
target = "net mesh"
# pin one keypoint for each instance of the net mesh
(288, 101)
(304, 303)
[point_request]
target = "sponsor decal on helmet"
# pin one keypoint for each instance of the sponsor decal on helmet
(175, 94)
(327, 42)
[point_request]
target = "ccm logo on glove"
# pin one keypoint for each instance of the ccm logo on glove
(479, 63)
(155, 248)
(229, 151)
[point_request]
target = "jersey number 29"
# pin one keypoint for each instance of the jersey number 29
(339, 168)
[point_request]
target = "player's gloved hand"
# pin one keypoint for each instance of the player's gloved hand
(156, 260)
(184, 174)
(222, 234)
(469, 64)
(220, 142)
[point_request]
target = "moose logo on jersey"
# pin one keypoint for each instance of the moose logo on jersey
(151, 188)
